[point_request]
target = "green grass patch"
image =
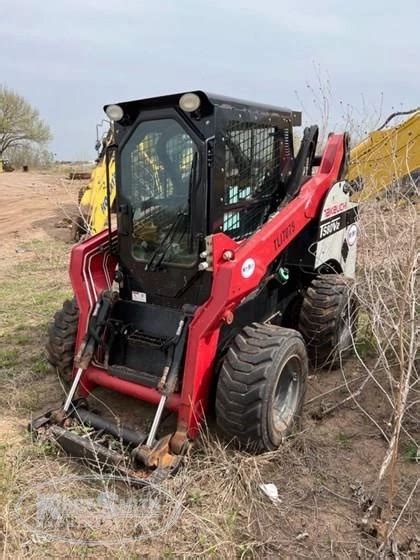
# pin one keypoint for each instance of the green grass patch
(32, 291)
(344, 440)
(412, 452)
(8, 357)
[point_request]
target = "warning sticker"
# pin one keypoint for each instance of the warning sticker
(248, 268)
(139, 296)
(351, 234)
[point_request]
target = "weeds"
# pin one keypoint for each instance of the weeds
(344, 440)
(412, 452)
(224, 512)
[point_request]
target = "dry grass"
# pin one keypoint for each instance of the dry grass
(388, 295)
(327, 476)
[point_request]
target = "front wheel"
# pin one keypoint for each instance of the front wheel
(261, 386)
(61, 343)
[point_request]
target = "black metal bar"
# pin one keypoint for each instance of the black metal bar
(304, 159)
(397, 114)
(119, 431)
(85, 448)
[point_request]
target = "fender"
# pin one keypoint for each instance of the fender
(91, 271)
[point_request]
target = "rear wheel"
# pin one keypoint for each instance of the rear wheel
(61, 343)
(328, 320)
(261, 386)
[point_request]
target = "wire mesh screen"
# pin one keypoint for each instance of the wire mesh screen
(252, 165)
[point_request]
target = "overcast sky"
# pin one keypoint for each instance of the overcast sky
(70, 57)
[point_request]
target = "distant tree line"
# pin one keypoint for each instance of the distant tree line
(24, 136)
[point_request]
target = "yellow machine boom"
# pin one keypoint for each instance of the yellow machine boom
(388, 157)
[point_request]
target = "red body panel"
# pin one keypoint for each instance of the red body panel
(91, 272)
(92, 268)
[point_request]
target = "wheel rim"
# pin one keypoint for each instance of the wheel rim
(286, 394)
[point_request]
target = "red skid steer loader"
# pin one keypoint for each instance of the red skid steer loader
(229, 269)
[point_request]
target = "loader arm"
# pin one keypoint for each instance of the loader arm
(386, 157)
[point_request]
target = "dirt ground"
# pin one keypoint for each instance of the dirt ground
(31, 207)
(325, 476)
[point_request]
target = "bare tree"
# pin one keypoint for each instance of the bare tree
(20, 123)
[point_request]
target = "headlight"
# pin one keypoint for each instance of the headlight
(189, 102)
(114, 112)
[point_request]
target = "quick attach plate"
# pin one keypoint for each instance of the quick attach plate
(106, 445)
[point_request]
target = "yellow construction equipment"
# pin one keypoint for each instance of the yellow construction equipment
(93, 200)
(388, 158)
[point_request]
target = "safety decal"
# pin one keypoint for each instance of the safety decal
(351, 234)
(139, 296)
(248, 268)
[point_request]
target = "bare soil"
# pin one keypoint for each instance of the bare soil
(33, 201)
(326, 475)
(32, 205)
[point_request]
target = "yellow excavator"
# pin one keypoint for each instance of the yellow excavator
(388, 159)
(92, 200)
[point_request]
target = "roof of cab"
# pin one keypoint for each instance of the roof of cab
(220, 101)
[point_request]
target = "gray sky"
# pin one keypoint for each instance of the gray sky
(70, 57)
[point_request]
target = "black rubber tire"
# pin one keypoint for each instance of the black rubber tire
(328, 308)
(61, 343)
(248, 382)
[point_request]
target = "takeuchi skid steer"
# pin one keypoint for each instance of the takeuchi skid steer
(230, 266)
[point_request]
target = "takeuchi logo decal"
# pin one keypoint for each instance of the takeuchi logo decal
(334, 209)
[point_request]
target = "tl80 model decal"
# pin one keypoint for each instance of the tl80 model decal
(330, 227)
(339, 221)
(284, 235)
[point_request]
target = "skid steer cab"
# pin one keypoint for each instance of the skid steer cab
(229, 269)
